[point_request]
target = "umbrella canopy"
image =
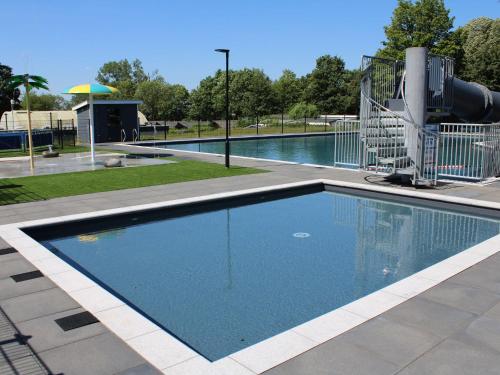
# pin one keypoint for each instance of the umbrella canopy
(91, 88)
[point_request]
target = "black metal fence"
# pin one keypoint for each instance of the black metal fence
(169, 130)
(57, 133)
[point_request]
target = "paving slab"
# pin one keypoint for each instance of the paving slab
(104, 354)
(454, 357)
(47, 334)
(431, 317)
(333, 358)
(15, 266)
(38, 304)
(143, 369)
(483, 330)
(463, 297)
(10, 289)
(397, 343)
(483, 275)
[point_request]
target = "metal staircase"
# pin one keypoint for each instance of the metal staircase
(392, 142)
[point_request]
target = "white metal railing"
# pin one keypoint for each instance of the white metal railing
(347, 143)
(392, 142)
(469, 151)
(135, 135)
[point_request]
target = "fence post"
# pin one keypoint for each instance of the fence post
(198, 128)
(50, 118)
(325, 123)
(257, 126)
(61, 135)
(73, 131)
(282, 120)
(165, 129)
(305, 124)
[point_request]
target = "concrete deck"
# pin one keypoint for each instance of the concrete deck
(71, 162)
(453, 328)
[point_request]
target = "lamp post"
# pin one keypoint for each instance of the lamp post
(226, 51)
(12, 103)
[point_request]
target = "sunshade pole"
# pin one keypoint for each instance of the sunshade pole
(30, 137)
(91, 117)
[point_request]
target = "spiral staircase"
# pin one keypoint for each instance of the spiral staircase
(392, 142)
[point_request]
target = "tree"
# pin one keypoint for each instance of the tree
(481, 52)
(352, 100)
(202, 105)
(251, 93)
(302, 110)
(287, 90)
(424, 23)
(162, 100)
(44, 102)
(29, 82)
(124, 76)
(5, 88)
(152, 93)
(327, 86)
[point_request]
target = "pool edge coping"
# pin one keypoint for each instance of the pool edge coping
(168, 354)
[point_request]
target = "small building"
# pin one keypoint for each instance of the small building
(114, 120)
(18, 120)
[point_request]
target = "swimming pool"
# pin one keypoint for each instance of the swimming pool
(311, 149)
(221, 277)
(460, 159)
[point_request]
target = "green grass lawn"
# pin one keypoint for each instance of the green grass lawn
(35, 188)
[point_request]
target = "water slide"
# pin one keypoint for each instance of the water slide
(474, 102)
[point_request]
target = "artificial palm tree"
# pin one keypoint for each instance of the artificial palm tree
(29, 82)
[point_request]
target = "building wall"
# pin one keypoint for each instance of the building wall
(102, 130)
(83, 135)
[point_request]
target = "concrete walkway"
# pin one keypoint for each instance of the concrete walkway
(453, 328)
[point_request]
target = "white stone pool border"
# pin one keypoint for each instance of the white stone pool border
(173, 357)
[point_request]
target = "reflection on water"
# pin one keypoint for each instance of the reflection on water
(224, 280)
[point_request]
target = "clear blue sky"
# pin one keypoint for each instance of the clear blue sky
(67, 40)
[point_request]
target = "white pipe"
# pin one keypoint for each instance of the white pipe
(91, 117)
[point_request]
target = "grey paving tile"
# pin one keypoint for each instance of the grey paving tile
(429, 316)
(34, 305)
(462, 297)
(483, 275)
(394, 342)
(15, 266)
(9, 257)
(336, 358)
(483, 330)
(104, 355)
(453, 357)
(144, 369)
(46, 334)
(494, 312)
(9, 288)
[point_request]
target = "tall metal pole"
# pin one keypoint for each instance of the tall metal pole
(227, 149)
(227, 109)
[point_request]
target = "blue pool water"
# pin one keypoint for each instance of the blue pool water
(341, 150)
(313, 150)
(226, 279)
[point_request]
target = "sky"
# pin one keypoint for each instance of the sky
(67, 41)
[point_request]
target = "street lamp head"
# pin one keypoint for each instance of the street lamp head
(223, 50)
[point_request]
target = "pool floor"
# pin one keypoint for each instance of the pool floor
(223, 280)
